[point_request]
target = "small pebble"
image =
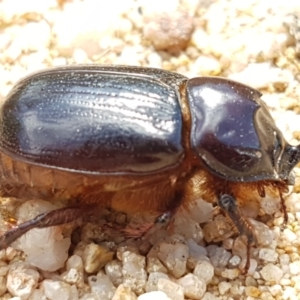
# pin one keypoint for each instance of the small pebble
(227, 243)
(95, 257)
(80, 56)
(153, 280)
(202, 210)
(174, 258)
(74, 273)
(270, 205)
(289, 235)
(217, 230)
(264, 235)
(209, 296)
(285, 260)
(252, 291)
(39, 241)
(285, 281)
(38, 295)
(169, 30)
(158, 295)
(224, 287)
(195, 249)
(54, 290)
(22, 279)
(194, 287)
(207, 66)
(271, 273)
(293, 202)
(171, 289)
(230, 273)
(294, 267)
(219, 257)
(296, 281)
(289, 293)
(134, 273)
(188, 228)
(10, 253)
(126, 248)
(234, 261)
(155, 265)
(101, 286)
(113, 270)
(268, 255)
(94, 25)
(124, 293)
(250, 281)
(204, 270)
(3, 287)
(237, 288)
(275, 290)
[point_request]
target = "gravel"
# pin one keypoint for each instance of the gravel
(255, 42)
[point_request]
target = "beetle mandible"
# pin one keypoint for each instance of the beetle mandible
(136, 139)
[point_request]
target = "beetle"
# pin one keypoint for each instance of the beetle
(137, 139)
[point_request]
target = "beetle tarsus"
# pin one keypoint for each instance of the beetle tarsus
(244, 271)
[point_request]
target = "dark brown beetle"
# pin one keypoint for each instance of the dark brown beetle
(136, 140)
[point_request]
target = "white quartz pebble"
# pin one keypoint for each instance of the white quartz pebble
(271, 273)
(174, 257)
(194, 287)
(101, 286)
(157, 295)
(124, 292)
(171, 289)
(153, 280)
(134, 273)
(57, 290)
(204, 270)
(22, 279)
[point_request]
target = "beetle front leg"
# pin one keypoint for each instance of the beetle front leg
(229, 205)
(48, 219)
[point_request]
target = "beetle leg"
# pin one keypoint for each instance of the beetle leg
(165, 219)
(283, 208)
(230, 206)
(247, 265)
(162, 221)
(52, 218)
(146, 229)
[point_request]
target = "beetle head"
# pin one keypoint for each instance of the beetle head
(233, 133)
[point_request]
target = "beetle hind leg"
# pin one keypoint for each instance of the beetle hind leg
(48, 219)
(162, 221)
